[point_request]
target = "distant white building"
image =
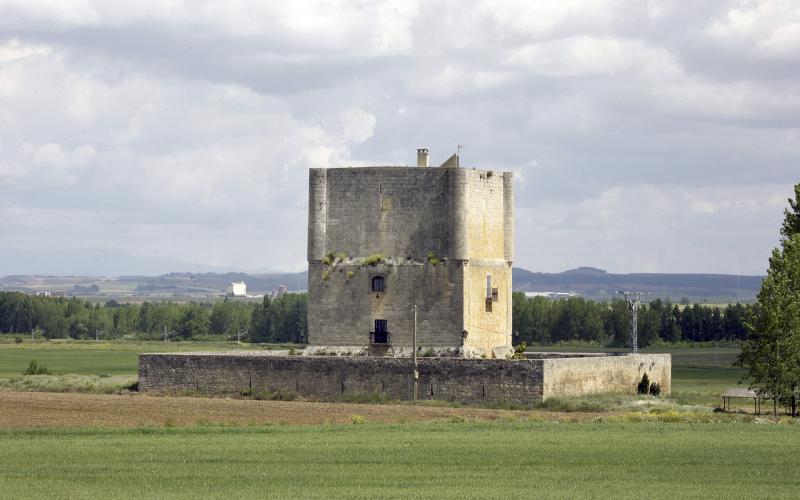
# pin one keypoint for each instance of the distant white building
(237, 289)
(551, 295)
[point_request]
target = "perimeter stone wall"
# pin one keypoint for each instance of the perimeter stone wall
(452, 379)
(578, 376)
(331, 378)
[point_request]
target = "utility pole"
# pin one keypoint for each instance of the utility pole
(167, 334)
(414, 354)
(633, 299)
(239, 335)
(97, 335)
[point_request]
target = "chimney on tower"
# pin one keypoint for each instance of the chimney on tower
(422, 157)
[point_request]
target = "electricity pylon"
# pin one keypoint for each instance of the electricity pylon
(633, 299)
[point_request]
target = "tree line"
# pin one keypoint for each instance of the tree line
(272, 320)
(536, 320)
(543, 321)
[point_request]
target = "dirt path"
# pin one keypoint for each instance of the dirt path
(47, 409)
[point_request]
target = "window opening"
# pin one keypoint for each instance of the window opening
(378, 284)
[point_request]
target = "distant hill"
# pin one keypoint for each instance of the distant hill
(601, 285)
(588, 282)
(256, 283)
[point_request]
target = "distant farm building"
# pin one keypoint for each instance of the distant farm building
(237, 289)
(551, 295)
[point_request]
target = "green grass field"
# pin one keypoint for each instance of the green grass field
(95, 358)
(450, 460)
(699, 374)
(624, 455)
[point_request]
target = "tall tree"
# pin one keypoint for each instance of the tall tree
(791, 219)
(772, 349)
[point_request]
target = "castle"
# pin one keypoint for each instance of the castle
(382, 239)
(394, 251)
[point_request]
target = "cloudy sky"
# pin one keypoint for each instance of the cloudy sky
(646, 136)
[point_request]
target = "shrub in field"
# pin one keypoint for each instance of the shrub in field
(35, 368)
(17, 340)
(655, 389)
(644, 385)
(374, 398)
(357, 419)
(279, 395)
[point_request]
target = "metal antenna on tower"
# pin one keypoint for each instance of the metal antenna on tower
(633, 299)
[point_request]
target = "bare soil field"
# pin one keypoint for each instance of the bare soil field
(46, 409)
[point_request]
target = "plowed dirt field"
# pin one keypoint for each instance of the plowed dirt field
(46, 409)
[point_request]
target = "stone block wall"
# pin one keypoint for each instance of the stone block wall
(332, 378)
(452, 379)
(578, 376)
(396, 211)
(458, 218)
(342, 307)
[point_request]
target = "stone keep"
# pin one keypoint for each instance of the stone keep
(381, 239)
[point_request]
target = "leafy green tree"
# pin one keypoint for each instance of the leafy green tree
(772, 349)
(193, 323)
(791, 215)
(647, 325)
(618, 323)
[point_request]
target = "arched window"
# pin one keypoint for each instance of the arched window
(378, 284)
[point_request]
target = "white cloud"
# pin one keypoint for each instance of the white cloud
(585, 55)
(186, 130)
(766, 28)
(642, 228)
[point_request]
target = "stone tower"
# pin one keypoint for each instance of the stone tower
(382, 239)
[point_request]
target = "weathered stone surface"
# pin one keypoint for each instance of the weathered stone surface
(502, 352)
(451, 379)
(578, 376)
(443, 233)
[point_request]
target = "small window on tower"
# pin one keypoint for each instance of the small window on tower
(378, 284)
(495, 295)
(488, 286)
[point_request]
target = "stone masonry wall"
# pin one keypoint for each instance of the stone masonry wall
(578, 376)
(489, 325)
(331, 378)
(400, 212)
(451, 379)
(342, 307)
(459, 218)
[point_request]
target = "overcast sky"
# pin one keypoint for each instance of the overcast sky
(645, 136)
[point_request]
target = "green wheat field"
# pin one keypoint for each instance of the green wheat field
(628, 457)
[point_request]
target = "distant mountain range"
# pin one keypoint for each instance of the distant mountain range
(588, 282)
(601, 285)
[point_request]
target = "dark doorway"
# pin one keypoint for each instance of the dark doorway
(381, 333)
